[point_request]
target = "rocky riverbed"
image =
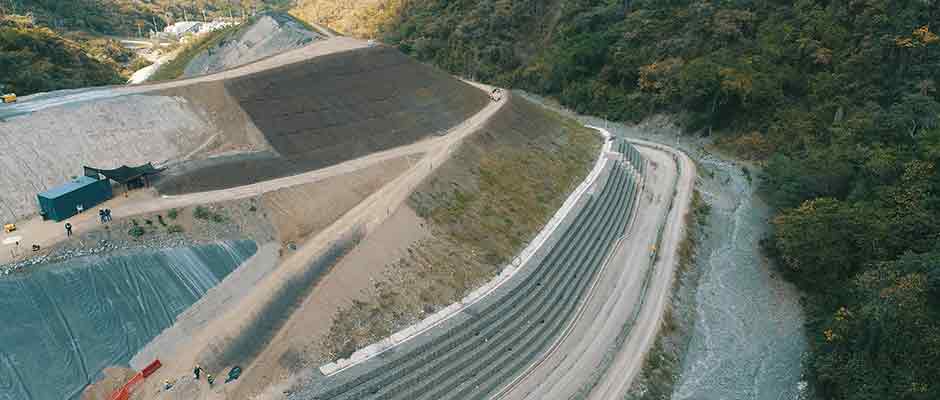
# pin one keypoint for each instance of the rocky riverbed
(737, 328)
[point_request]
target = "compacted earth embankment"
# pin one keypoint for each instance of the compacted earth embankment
(332, 109)
(216, 134)
(177, 126)
(66, 322)
(468, 218)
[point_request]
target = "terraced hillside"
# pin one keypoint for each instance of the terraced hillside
(331, 109)
(482, 348)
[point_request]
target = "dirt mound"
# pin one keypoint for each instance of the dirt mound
(332, 109)
(270, 34)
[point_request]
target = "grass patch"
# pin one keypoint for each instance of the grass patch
(205, 214)
(173, 213)
(175, 68)
(175, 228)
(483, 206)
(136, 231)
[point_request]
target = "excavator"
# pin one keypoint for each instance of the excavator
(7, 97)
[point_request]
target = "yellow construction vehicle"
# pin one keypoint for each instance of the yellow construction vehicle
(9, 98)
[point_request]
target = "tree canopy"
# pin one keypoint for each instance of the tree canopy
(837, 99)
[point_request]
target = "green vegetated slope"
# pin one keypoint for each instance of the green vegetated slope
(36, 59)
(839, 100)
(482, 206)
(360, 18)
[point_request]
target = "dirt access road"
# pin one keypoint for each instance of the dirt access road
(625, 300)
(228, 326)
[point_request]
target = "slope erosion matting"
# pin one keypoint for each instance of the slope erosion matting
(332, 109)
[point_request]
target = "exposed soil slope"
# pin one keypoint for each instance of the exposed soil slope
(45, 148)
(480, 207)
(268, 35)
(331, 109)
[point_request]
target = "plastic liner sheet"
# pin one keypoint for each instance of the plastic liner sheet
(62, 324)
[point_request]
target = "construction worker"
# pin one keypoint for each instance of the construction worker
(68, 229)
(196, 371)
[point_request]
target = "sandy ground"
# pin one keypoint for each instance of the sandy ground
(114, 378)
(367, 217)
(572, 366)
(297, 345)
(227, 292)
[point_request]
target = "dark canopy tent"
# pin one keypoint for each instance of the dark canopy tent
(125, 175)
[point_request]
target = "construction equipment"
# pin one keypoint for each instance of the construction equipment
(9, 228)
(9, 98)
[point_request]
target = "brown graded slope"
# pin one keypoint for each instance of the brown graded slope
(332, 109)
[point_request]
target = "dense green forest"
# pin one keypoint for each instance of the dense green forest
(130, 17)
(837, 99)
(37, 59)
(49, 45)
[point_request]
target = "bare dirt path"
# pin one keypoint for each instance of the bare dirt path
(365, 217)
(581, 366)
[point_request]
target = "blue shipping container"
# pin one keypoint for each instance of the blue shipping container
(83, 193)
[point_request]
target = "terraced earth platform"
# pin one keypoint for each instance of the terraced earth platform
(482, 348)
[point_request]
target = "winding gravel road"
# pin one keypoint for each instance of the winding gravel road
(608, 342)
